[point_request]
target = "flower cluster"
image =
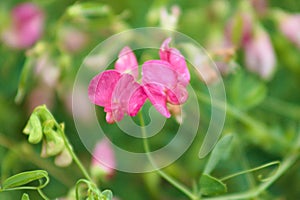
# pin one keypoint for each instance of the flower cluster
(163, 81)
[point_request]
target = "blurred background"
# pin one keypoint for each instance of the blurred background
(255, 45)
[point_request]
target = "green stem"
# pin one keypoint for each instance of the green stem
(42, 194)
(289, 161)
(164, 175)
(282, 108)
(75, 158)
(31, 156)
(286, 164)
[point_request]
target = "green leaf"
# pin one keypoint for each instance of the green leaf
(24, 80)
(218, 153)
(24, 178)
(210, 186)
(25, 196)
(107, 194)
(246, 91)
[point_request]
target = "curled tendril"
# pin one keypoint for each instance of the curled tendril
(92, 190)
(260, 177)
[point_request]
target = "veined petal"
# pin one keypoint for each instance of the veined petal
(128, 97)
(157, 97)
(176, 59)
(127, 62)
(178, 95)
(159, 72)
(101, 87)
(136, 101)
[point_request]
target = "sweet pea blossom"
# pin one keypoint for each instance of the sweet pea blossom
(165, 80)
(26, 26)
(103, 161)
(116, 90)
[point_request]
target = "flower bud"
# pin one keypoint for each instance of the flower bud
(63, 159)
(169, 20)
(34, 129)
(259, 55)
(290, 26)
(103, 161)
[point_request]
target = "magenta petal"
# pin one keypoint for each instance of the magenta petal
(128, 97)
(159, 72)
(158, 98)
(136, 101)
(127, 62)
(178, 95)
(101, 87)
(176, 59)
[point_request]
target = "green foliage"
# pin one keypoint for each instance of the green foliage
(210, 186)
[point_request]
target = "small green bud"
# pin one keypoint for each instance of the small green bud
(63, 159)
(53, 144)
(43, 113)
(34, 129)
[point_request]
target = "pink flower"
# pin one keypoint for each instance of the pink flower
(103, 161)
(116, 90)
(238, 30)
(165, 80)
(290, 26)
(26, 27)
(259, 55)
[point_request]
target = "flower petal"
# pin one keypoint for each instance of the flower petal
(128, 97)
(136, 101)
(101, 87)
(176, 59)
(127, 62)
(178, 95)
(159, 72)
(157, 97)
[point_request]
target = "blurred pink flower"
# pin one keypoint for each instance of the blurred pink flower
(239, 30)
(26, 26)
(259, 55)
(73, 40)
(103, 160)
(290, 27)
(260, 6)
(165, 80)
(117, 91)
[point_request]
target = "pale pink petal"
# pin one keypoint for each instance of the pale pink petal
(109, 118)
(260, 56)
(101, 87)
(159, 72)
(104, 157)
(177, 95)
(176, 59)
(290, 26)
(157, 97)
(127, 62)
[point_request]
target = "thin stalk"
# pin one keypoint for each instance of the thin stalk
(75, 158)
(164, 175)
